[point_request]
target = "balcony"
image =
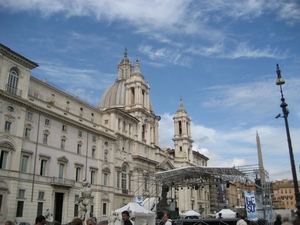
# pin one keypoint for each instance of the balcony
(56, 181)
(13, 90)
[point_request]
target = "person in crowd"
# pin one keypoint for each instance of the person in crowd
(40, 220)
(125, 218)
(296, 221)
(286, 221)
(8, 222)
(241, 221)
(77, 221)
(167, 219)
(90, 221)
(278, 220)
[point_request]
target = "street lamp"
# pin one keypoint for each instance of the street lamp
(280, 81)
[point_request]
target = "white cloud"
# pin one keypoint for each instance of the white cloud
(169, 55)
(244, 51)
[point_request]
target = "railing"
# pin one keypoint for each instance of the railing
(13, 90)
(124, 191)
(62, 182)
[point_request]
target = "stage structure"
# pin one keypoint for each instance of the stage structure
(165, 187)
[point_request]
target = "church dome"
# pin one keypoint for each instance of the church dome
(114, 96)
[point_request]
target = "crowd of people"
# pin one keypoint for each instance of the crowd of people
(41, 220)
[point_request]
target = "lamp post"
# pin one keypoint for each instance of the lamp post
(280, 81)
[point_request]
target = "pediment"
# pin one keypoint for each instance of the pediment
(63, 159)
(105, 168)
(166, 165)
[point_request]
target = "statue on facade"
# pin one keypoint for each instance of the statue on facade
(48, 216)
(84, 201)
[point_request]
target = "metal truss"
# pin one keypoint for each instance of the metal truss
(195, 175)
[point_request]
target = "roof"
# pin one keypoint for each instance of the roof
(195, 175)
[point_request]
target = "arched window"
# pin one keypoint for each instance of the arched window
(13, 81)
(124, 177)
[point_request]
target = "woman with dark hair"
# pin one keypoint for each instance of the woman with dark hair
(278, 220)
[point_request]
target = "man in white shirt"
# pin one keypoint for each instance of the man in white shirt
(241, 221)
(167, 219)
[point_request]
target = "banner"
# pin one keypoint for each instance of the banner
(250, 205)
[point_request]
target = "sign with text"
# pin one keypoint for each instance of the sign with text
(250, 205)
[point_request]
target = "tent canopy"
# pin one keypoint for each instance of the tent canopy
(226, 213)
(191, 213)
(135, 209)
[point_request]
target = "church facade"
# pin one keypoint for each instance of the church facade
(51, 142)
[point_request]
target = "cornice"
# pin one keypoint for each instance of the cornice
(44, 111)
(145, 159)
(17, 58)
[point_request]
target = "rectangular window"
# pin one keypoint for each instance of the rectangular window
(7, 126)
(20, 207)
(129, 183)
(41, 196)
(24, 163)
(93, 153)
(76, 206)
(27, 133)
(43, 167)
(1, 197)
(78, 173)
(21, 193)
(104, 208)
(64, 128)
(79, 133)
(79, 149)
(45, 139)
(29, 115)
(92, 208)
(3, 159)
(94, 138)
(63, 144)
(36, 95)
(61, 171)
(123, 181)
(47, 122)
(105, 179)
(124, 145)
(118, 179)
(93, 173)
(106, 121)
(40, 208)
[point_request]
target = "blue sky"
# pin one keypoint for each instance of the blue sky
(219, 56)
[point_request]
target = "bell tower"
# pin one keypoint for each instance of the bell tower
(182, 136)
(137, 91)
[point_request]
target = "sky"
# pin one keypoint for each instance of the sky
(218, 56)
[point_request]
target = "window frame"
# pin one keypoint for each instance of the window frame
(47, 122)
(7, 126)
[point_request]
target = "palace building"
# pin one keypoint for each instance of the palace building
(51, 141)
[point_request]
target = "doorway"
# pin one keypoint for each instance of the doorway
(58, 206)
